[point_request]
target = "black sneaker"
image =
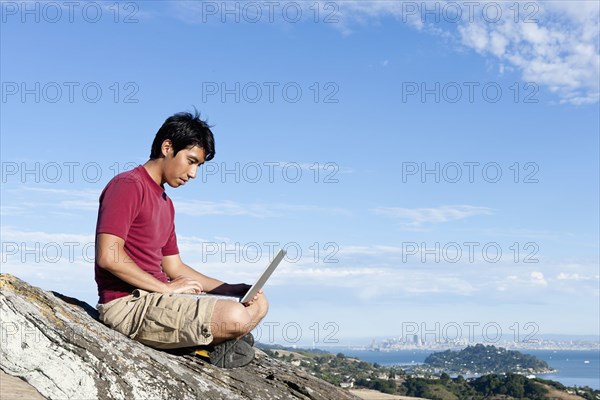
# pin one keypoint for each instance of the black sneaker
(248, 338)
(229, 354)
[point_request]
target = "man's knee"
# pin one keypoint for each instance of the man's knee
(264, 307)
(232, 319)
(240, 319)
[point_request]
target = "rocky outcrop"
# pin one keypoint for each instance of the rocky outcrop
(57, 345)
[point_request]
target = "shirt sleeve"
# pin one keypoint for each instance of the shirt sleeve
(171, 248)
(120, 203)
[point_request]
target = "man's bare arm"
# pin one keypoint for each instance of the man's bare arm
(111, 256)
(175, 267)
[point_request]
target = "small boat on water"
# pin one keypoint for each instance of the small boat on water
(586, 362)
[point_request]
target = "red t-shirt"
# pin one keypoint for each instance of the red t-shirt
(135, 208)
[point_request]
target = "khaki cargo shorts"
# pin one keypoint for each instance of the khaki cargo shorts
(160, 320)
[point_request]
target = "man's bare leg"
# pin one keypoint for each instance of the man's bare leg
(233, 320)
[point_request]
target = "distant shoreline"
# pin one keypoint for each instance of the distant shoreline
(454, 347)
(460, 347)
(568, 369)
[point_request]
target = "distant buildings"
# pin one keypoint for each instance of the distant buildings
(416, 342)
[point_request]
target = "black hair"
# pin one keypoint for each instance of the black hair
(184, 130)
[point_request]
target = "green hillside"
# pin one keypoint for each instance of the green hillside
(483, 359)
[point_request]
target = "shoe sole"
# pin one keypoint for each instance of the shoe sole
(231, 354)
(248, 338)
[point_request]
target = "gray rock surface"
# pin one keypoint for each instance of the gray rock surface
(57, 345)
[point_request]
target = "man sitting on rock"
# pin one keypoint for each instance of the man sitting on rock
(138, 267)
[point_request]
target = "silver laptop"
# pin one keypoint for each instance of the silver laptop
(255, 288)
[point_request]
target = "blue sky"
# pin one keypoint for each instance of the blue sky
(326, 126)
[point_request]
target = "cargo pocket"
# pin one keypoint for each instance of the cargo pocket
(160, 325)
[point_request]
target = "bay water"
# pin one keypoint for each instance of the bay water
(575, 367)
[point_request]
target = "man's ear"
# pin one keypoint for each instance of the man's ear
(166, 147)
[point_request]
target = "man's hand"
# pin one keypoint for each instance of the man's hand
(255, 298)
(183, 284)
(174, 267)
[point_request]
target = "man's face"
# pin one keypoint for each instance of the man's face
(182, 167)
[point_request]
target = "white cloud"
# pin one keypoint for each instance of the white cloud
(372, 275)
(565, 276)
(12, 210)
(70, 277)
(231, 208)
(557, 51)
(537, 278)
(256, 210)
(523, 234)
(27, 199)
(390, 284)
(553, 44)
(419, 216)
(552, 276)
(327, 273)
(11, 234)
(349, 251)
